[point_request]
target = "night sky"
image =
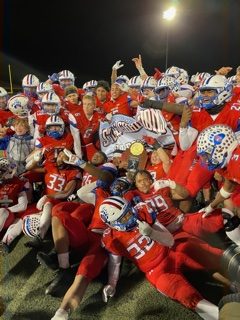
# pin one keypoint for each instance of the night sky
(87, 37)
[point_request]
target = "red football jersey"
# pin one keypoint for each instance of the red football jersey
(53, 145)
(229, 115)
(87, 127)
(10, 189)
(61, 92)
(156, 171)
(5, 115)
(144, 252)
(56, 179)
(119, 106)
(87, 178)
(159, 201)
(232, 172)
(41, 117)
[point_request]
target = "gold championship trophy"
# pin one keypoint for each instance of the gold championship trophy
(136, 157)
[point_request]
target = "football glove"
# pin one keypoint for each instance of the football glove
(117, 65)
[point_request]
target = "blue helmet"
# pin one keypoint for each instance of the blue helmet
(120, 186)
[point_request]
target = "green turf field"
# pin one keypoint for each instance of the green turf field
(23, 283)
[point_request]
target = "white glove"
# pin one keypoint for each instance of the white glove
(109, 116)
(38, 155)
(144, 228)
(73, 159)
(160, 184)
(60, 314)
(206, 211)
(108, 292)
(41, 202)
(117, 65)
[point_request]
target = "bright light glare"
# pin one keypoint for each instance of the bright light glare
(169, 14)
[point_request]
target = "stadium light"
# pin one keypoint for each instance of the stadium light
(168, 15)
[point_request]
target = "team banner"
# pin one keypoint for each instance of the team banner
(122, 131)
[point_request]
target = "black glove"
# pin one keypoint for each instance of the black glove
(232, 222)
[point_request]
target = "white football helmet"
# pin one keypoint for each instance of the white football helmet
(90, 85)
(183, 77)
(135, 82)
(215, 145)
(232, 80)
(222, 88)
(148, 84)
(172, 72)
(3, 98)
(122, 78)
(3, 92)
(55, 121)
(44, 87)
(118, 213)
(66, 78)
(165, 85)
(31, 225)
(18, 105)
(30, 80)
(51, 103)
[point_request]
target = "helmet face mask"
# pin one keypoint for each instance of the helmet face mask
(3, 98)
(148, 87)
(217, 84)
(66, 78)
(173, 72)
(51, 103)
(118, 214)
(18, 105)
(55, 127)
(215, 145)
(208, 98)
(29, 84)
(3, 102)
(119, 186)
(43, 88)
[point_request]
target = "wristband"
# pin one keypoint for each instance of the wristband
(225, 194)
(172, 184)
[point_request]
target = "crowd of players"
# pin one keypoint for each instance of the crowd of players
(54, 173)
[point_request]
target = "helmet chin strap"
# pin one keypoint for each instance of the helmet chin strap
(215, 110)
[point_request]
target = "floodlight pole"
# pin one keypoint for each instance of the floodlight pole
(166, 51)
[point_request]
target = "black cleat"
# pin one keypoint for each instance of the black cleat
(36, 243)
(49, 260)
(4, 248)
(61, 282)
